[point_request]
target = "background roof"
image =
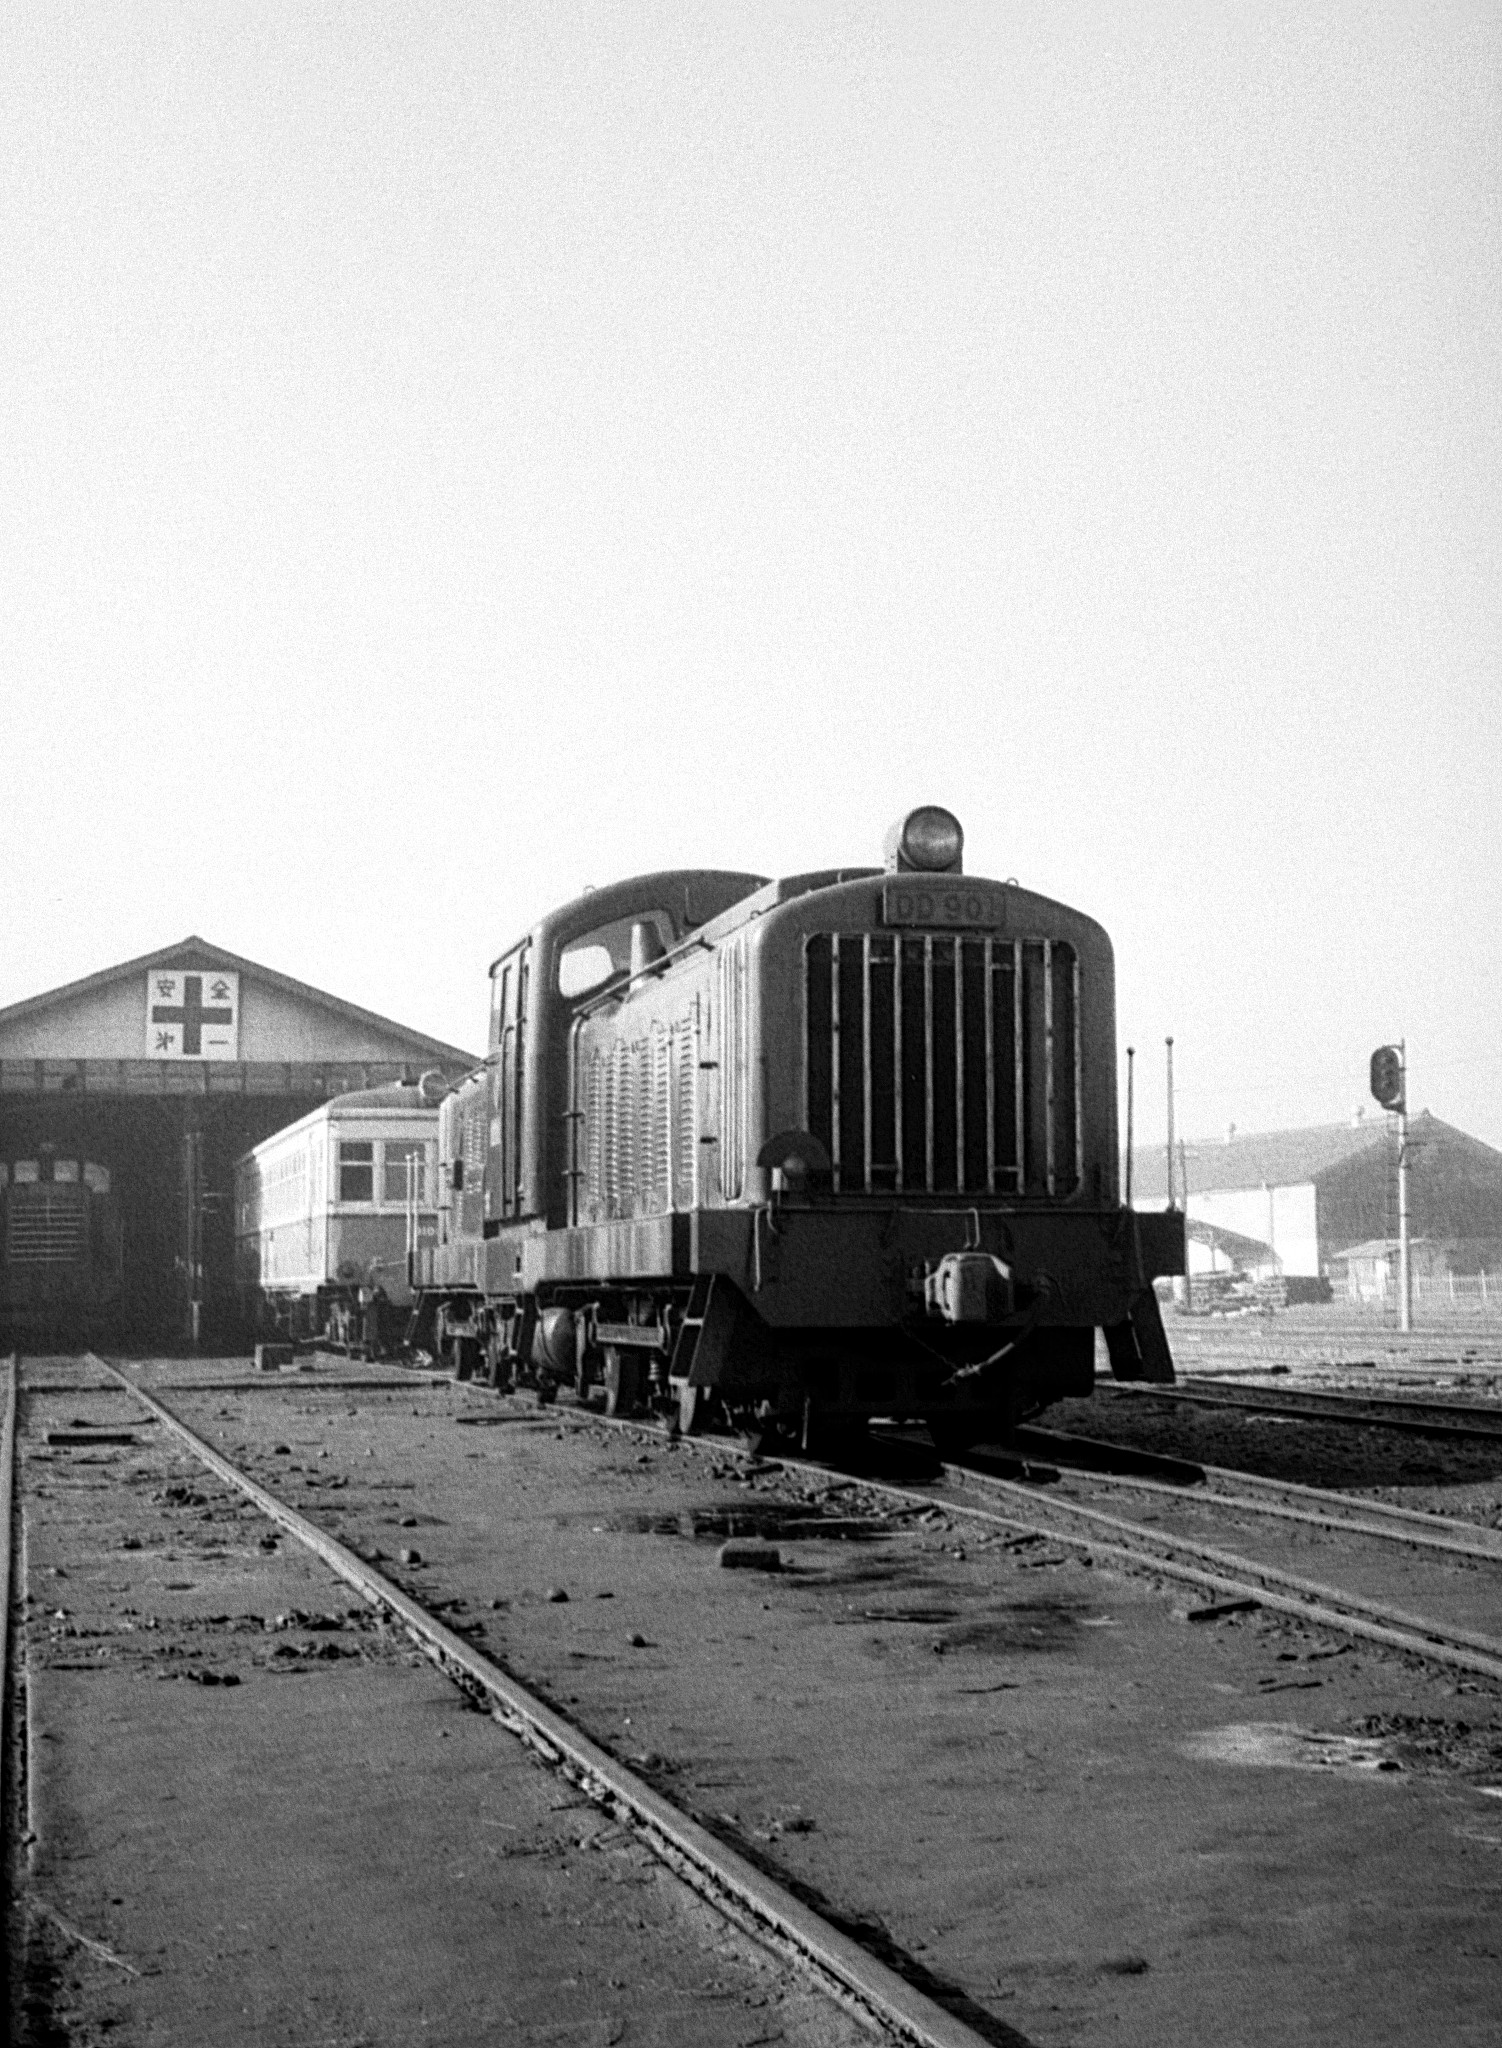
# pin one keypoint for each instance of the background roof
(1261, 1158)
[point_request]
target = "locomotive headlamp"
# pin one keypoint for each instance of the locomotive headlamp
(927, 841)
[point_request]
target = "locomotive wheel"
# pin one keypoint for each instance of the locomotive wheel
(623, 1378)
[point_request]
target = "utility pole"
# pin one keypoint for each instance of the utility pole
(1131, 1057)
(1168, 1042)
(1184, 1184)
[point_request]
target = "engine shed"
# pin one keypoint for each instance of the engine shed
(125, 1100)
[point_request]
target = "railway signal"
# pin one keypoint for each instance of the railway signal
(1389, 1075)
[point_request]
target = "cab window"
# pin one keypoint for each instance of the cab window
(596, 957)
(500, 997)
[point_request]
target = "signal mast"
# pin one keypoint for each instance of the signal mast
(1390, 1087)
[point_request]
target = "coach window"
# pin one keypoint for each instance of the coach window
(404, 1170)
(97, 1178)
(596, 957)
(65, 1170)
(356, 1171)
(25, 1172)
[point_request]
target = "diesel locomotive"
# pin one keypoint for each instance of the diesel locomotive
(60, 1247)
(799, 1153)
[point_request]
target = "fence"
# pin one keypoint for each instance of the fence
(1474, 1293)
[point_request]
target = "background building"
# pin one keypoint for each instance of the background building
(146, 1082)
(1290, 1202)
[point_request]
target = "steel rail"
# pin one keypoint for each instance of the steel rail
(1423, 1418)
(1422, 1535)
(1351, 1611)
(728, 1880)
(267, 1384)
(1243, 1578)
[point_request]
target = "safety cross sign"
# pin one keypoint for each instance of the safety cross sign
(192, 1016)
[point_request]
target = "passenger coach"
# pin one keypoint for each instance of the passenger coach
(809, 1150)
(331, 1211)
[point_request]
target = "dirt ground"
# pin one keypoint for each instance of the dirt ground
(1025, 1779)
(259, 1815)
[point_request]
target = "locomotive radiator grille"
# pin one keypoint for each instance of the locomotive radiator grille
(943, 1064)
(48, 1230)
(639, 1140)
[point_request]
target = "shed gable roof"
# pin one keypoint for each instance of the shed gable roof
(1277, 1159)
(1280, 1159)
(20, 1022)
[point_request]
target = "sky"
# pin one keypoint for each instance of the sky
(451, 455)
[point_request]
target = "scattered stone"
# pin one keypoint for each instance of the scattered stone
(410, 1557)
(266, 1543)
(281, 1450)
(637, 1640)
(555, 1593)
(407, 1522)
(180, 1497)
(1218, 1608)
(130, 1542)
(748, 1553)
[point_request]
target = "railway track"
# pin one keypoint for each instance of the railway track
(1389, 1411)
(745, 1895)
(1229, 1578)
(1287, 1500)
(1231, 1575)
(969, 1500)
